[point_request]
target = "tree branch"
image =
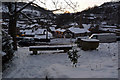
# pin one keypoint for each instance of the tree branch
(23, 7)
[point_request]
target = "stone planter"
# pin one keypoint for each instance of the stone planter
(89, 44)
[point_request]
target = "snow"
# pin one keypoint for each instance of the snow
(52, 28)
(40, 36)
(21, 30)
(73, 24)
(28, 32)
(91, 17)
(100, 63)
(51, 46)
(54, 25)
(86, 26)
(107, 26)
(40, 31)
(43, 36)
(50, 35)
(77, 30)
(61, 30)
(91, 14)
(33, 25)
(110, 29)
(90, 40)
(111, 34)
(103, 23)
(2, 53)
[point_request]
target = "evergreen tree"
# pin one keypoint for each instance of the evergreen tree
(73, 56)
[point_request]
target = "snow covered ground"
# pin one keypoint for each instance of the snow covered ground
(100, 63)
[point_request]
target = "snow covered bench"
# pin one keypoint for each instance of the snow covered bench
(53, 47)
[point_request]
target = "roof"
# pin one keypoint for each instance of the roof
(86, 26)
(103, 23)
(40, 36)
(91, 14)
(72, 24)
(77, 30)
(40, 31)
(28, 32)
(107, 26)
(52, 28)
(61, 30)
(105, 34)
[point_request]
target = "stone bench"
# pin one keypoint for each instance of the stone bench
(51, 47)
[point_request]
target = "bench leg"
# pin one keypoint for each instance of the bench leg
(35, 52)
(66, 51)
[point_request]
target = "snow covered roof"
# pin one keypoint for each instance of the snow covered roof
(91, 14)
(33, 25)
(107, 26)
(91, 17)
(40, 31)
(103, 23)
(105, 34)
(43, 36)
(40, 36)
(54, 25)
(52, 28)
(61, 30)
(78, 30)
(28, 32)
(22, 31)
(107, 29)
(86, 26)
(73, 24)
(50, 35)
(21, 25)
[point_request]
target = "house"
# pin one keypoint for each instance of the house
(52, 29)
(59, 33)
(27, 33)
(108, 28)
(44, 36)
(40, 31)
(76, 32)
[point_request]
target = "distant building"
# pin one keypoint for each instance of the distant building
(59, 33)
(76, 32)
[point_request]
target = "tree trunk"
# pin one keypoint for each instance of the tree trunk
(80, 23)
(12, 27)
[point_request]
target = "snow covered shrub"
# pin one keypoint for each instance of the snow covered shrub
(73, 56)
(7, 47)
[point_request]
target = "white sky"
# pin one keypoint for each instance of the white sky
(83, 4)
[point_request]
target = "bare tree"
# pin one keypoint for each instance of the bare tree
(58, 5)
(13, 13)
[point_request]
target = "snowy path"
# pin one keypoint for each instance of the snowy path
(101, 63)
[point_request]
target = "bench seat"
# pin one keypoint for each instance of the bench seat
(51, 47)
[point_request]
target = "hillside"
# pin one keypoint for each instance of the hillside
(108, 12)
(31, 10)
